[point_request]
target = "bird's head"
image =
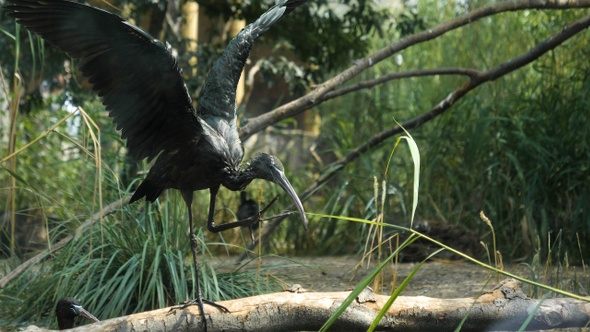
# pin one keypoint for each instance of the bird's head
(69, 308)
(270, 168)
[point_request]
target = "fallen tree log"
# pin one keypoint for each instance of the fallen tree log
(506, 307)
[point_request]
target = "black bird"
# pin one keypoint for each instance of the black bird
(69, 308)
(248, 209)
(142, 87)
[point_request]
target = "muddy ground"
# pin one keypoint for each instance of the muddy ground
(439, 278)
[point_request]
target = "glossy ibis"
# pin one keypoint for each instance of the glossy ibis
(141, 86)
(69, 308)
(248, 209)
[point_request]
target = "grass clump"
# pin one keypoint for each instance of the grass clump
(125, 264)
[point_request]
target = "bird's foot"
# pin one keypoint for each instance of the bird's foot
(199, 302)
(257, 219)
(196, 302)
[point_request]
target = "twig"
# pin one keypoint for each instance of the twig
(317, 96)
(109, 209)
(471, 73)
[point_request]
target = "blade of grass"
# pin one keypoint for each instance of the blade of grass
(415, 153)
(398, 291)
(364, 283)
(467, 257)
(532, 313)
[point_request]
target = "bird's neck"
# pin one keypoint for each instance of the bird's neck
(238, 180)
(65, 323)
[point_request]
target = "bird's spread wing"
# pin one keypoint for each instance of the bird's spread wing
(135, 74)
(218, 95)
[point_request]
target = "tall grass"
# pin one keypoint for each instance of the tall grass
(516, 148)
(129, 263)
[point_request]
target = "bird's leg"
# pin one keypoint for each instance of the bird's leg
(248, 222)
(188, 199)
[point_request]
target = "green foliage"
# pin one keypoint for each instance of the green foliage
(336, 27)
(516, 148)
(125, 264)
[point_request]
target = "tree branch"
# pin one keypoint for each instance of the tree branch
(475, 81)
(111, 208)
(315, 97)
(471, 73)
(484, 77)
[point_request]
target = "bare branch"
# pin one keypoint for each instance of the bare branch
(471, 73)
(258, 123)
(484, 77)
(111, 208)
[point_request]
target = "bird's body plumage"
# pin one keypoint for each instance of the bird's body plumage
(142, 88)
(248, 208)
(218, 132)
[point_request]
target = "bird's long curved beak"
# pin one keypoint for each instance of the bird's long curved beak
(84, 313)
(281, 180)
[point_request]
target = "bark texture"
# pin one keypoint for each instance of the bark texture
(506, 307)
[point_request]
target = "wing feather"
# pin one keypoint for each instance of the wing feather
(218, 95)
(136, 75)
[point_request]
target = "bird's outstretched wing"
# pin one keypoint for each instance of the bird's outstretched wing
(136, 75)
(218, 95)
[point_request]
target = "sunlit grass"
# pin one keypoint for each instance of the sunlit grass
(135, 264)
(374, 246)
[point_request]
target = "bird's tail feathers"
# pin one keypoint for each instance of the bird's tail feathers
(148, 190)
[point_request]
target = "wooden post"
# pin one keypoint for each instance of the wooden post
(190, 30)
